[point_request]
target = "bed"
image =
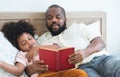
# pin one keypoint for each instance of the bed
(38, 19)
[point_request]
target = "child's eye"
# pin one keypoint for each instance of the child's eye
(30, 37)
(23, 43)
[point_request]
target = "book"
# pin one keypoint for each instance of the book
(56, 58)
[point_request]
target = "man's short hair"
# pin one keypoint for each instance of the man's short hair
(57, 6)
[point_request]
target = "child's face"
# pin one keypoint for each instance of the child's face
(26, 42)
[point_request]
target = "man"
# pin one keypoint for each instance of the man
(87, 42)
(24, 41)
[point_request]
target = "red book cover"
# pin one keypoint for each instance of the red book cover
(56, 58)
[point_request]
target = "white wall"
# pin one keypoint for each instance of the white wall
(109, 6)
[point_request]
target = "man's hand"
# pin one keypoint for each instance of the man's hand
(95, 45)
(76, 57)
(36, 67)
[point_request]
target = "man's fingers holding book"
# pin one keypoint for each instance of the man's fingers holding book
(75, 57)
(40, 66)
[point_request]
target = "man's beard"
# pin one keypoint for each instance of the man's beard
(57, 32)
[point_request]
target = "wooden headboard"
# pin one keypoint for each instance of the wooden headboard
(38, 19)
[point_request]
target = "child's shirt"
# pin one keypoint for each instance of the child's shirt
(22, 59)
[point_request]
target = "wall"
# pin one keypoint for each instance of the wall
(111, 7)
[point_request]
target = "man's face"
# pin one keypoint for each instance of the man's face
(55, 21)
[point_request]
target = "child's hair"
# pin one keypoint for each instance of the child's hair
(13, 30)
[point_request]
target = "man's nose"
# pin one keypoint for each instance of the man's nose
(54, 19)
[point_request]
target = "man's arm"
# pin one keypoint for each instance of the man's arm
(96, 45)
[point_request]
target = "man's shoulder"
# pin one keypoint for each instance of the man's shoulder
(76, 26)
(45, 35)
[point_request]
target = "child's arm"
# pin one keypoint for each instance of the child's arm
(16, 69)
(35, 50)
(32, 53)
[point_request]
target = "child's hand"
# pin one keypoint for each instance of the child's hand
(30, 55)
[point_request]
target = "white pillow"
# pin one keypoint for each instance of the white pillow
(7, 50)
(7, 54)
(93, 30)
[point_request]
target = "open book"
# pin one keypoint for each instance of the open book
(56, 58)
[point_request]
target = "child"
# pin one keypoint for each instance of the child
(20, 34)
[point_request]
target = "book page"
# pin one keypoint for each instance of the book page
(51, 47)
(56, 60)
(54, 47)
